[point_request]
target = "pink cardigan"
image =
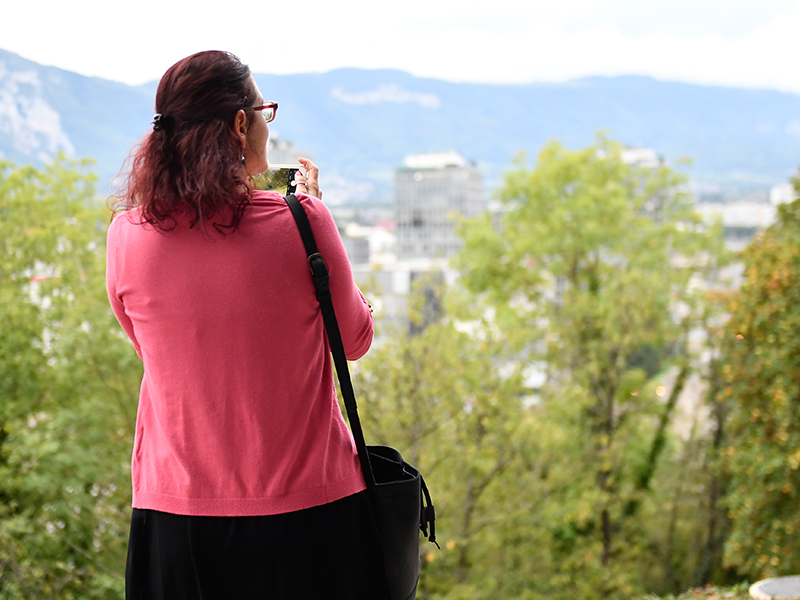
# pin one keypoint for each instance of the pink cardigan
(237, 411)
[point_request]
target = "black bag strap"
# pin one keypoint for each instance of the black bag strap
(321, 278)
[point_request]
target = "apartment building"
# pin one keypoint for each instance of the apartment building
(431, 192)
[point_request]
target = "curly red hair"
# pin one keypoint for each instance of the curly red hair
(193, 158)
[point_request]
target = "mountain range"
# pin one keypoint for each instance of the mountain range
(359, 124)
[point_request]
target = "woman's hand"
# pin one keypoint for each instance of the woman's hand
(309, 180)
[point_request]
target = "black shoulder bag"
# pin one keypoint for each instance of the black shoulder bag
(400, 500)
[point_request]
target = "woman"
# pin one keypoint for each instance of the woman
(246, 481)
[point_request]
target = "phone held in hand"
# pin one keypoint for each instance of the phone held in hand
(278, 178)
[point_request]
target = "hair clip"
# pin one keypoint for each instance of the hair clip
(160, 121)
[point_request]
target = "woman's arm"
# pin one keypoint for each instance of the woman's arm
(112, 245)
(352, 310)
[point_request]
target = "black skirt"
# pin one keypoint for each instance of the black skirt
(330, 551)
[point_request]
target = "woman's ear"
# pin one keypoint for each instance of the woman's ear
(240, 126)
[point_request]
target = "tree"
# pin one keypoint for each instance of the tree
(449, 398)
(594, 269)
(761, 376)
(68, 385)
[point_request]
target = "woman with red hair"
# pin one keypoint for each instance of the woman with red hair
(246, 481)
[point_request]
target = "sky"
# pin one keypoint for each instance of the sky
(740, 43)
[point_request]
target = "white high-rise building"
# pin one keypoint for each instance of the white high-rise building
(431, 190)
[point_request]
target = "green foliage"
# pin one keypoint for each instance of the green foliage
(540, 401)
(68, 385)
(762, 383)
(593, 271)
(453, 402)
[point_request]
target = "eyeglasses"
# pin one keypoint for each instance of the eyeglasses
(269, 110)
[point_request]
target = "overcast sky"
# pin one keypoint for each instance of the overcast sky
(749, 43)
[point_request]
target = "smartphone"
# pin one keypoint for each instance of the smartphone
(278, 178)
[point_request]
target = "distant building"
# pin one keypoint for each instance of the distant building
(639, 156)
(782, 194)
(281, 151)
(357, 248)
(742, 218)
(430, 191)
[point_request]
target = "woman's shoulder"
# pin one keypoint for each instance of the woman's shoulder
(123, 219)
(131, 224)
(272, 197)
(266, 197)
(315, 209)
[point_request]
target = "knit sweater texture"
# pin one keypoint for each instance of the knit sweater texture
(237, 413)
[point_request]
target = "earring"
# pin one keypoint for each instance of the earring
(242, 157)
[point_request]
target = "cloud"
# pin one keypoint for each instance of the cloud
(730, 19)
(751, 43)
(765, 58)
(387, 93)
